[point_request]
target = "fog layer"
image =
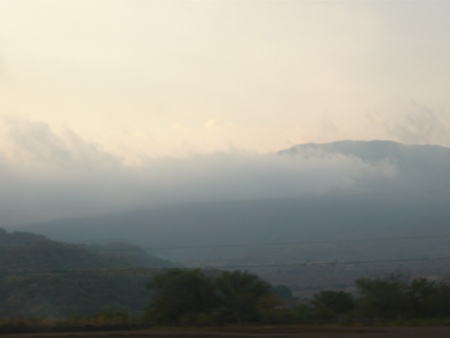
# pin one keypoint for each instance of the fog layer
(46, 174)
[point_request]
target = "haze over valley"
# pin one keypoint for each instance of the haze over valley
(347, 201)
(305, 141)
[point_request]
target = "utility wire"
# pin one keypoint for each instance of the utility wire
(332, 241)
(87, 249)
(404, 260)
(222, 267)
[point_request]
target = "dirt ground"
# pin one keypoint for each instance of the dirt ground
(262, 332)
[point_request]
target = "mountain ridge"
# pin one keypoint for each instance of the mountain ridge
(379, 149)
(43, 277)
(411, 203)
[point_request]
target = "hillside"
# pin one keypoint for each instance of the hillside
(410, 167)
(400, 216)
(45, 277)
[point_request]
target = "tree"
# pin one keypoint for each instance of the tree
(191, 296)
(383, 298)
(393, 297)
(328, 304)
(242, 296)
(282, 291)
(180, 294)
(427, 298)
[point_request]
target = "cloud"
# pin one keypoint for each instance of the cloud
(37, 145)
(58, 174)
(419, 125)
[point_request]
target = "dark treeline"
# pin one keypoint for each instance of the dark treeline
(194, 297)
(119, 282)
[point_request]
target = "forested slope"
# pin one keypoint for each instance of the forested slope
(41, 277)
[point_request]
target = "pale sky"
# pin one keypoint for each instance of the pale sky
(172, 78)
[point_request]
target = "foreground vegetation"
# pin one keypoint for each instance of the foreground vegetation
(196, 297)
(48, 284)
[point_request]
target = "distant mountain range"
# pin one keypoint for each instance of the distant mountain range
(424, 164)
(403, 216)
(374, 151)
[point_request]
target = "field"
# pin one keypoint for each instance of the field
(261, 332)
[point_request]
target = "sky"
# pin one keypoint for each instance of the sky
(172, 78)
(95, 92)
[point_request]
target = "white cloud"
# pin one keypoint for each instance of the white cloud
(37, 144)
(54, 174)
(419, 125)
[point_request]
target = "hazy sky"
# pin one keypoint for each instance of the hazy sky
(156, 78)
(194, 92)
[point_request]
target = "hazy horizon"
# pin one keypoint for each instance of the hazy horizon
(76, 179)
(118, 104)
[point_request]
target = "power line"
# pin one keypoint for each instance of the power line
(331, 241)
(403, 260)
(99, 250)
(248, 266)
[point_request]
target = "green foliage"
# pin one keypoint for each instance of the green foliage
(328, 304)
(273, 310)
(180, 295)
(41, 277)
(240, 294)
(391, 298)
(27, 252)
(282, 291)
(382, 298)
(396, 298)
(38, 278)
(192, 296)
(73, 294)
(303, 312)
(427, 298)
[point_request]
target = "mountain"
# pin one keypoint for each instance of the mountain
(401, 214)
(374, 151)
(429, 163)
(43, 277)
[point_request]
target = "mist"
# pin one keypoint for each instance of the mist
(47, 175)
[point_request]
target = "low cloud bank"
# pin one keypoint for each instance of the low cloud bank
(46, 175)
